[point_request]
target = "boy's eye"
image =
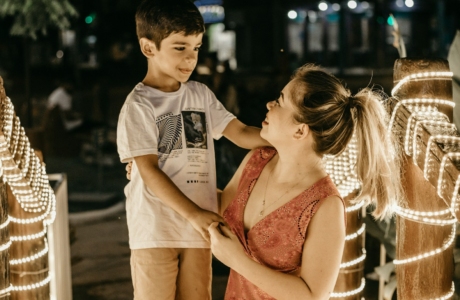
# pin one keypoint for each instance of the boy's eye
(197, 49)
(180, 48)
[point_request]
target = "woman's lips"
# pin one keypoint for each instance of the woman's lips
(186, 71)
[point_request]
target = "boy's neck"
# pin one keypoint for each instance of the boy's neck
(161, 82)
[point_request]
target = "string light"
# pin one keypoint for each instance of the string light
(453, 201)
(432, 142)
(452, 156)
(355, 207)
(30, 258)
(424, 115)
(449, 294)
(422, 218)
(21, 238)
(5, 246)
(421, 76)
(350, 293)
(354, 261)
(21, 168)
(434, 128)
(356, 234)
(20, 288)
(445, 246)
(5, 224)
(417, 104)
(341, 169)
(6, 292)
(431, 115)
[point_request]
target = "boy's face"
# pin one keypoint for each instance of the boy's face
(177, 57)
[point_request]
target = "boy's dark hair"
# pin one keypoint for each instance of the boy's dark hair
(157, 19)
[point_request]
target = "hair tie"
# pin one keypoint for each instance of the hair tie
(352, 102)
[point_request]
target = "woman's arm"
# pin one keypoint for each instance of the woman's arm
(321, 257)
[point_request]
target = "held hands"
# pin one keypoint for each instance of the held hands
(225, 245)
(202, 219)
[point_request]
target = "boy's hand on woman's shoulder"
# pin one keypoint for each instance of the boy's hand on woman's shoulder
(201, 221)
(128, 168)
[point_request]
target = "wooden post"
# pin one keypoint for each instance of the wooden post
(35, 271)
(350, 282)
(4, 245)
(424, 257)
(31, 206)
(352, 278)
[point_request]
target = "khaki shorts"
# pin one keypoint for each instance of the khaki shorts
(171, 273)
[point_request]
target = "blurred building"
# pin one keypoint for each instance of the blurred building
(342, 34)
(250, 34)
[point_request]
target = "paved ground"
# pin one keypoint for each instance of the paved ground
(100, 262)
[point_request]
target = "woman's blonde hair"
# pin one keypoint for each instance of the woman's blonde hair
(333, 115)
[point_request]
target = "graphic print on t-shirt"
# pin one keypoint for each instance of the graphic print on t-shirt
(195, 129)
(169, 129)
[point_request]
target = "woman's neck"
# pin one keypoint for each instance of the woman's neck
(291, 165)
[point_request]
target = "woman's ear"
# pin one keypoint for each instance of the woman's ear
(302, 131)
(148, 47)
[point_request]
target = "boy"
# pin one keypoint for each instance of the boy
(166, 127)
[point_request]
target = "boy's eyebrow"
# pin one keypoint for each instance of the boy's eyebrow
(184, 43)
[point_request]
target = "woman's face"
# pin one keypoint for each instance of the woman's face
(279, 123)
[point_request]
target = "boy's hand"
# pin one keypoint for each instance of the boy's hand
(202, 220)
(128, 168)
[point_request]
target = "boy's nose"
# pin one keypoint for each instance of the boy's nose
(192, 55)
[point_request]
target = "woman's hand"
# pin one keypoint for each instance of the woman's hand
(225, 245)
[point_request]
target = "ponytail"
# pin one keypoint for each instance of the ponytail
(378, 166)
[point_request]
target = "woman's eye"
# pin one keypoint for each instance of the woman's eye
(180, 48)
(197, 49)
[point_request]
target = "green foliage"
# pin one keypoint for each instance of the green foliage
(33, 16)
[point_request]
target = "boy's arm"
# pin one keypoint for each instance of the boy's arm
(247, 137)
(165, 189)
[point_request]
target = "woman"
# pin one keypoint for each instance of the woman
(286, 219)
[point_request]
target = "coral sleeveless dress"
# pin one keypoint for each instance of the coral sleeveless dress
(277, 240)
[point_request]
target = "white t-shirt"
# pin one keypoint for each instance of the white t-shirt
(60, 97)
(179, 127)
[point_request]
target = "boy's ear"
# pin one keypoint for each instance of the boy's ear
(148, 47)
(302, 131)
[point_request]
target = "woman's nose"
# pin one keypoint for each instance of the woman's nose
(269, 104)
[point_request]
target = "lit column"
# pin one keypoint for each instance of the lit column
(426, 220)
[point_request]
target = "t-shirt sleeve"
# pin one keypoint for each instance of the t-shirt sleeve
(137, 133)
(219, 115)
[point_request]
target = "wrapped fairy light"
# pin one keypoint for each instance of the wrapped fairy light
(31, 208)
(341, 169)
(426, 220)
